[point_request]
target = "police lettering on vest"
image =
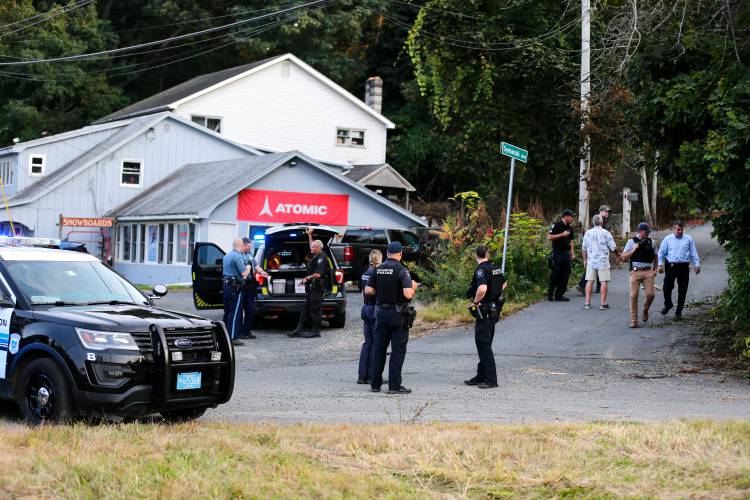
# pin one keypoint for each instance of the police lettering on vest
(389, 281)
(365, 281)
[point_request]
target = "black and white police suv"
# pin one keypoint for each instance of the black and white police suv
(77, 339)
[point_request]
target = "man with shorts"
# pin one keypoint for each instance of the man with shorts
(597, 244)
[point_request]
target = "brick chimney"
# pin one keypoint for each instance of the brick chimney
(374, 93)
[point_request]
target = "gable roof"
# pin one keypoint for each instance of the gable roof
(383, 175)
(183, 193)
(130, 130)
(171, 98)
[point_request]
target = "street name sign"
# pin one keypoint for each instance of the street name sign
(514, 152)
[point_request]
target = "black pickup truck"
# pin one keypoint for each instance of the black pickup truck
(353, 250)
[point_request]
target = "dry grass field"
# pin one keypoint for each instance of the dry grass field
(605, 460)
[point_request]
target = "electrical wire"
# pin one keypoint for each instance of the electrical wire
(79, 57)
(245, 33)
(35, 16)
(67, 9)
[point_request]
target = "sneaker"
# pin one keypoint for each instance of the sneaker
(473, 381)
(400, 390)
(487, 385)
(633, 324)
(604, 307)
(645, 315)
(587, 306)
(562, 299)
(237, 343)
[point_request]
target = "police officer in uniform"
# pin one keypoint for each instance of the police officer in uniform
(318, 273)
(561, 236)
(235, 270)
(393, 289)
(368, 320)
(250, 289)
(485, 293)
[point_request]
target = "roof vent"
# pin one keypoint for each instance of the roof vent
(374, 93)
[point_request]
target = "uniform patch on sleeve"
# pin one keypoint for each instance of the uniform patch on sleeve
(480, 273)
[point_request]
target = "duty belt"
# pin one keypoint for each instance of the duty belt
(391, 305)
(647, 268)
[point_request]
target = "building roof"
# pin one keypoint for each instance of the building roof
(171, 98)
(184, 192)
(382, 175)
(90, 129)
(130, 129)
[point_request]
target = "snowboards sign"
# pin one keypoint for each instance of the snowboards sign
(260, 205)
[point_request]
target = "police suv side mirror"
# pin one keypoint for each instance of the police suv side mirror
(159, 291)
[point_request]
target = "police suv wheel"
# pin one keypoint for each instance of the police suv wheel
(44, 394)
(186, 415)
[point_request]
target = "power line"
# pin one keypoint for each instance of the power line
(34, 16)
(89, 55)
(65, 10)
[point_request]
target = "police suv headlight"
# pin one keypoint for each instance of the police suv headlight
(94, 339)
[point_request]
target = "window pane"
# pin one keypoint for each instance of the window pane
(37, 160)
(142, 242)
(131, 173)
(358, 138)
(170, 243)
(152, 248)
(200, 120)
(410, 239)
(342, 136)
(182, 243)
(161, 243)
(191, 244)
(125, 244)
(209, 255)
(213, 124)
(133, 242)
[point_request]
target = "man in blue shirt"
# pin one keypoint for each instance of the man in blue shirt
(676, 253)
(235, 270)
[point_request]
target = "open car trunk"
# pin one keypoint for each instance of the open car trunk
(285, 256)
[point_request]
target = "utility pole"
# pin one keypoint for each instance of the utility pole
(585, 165)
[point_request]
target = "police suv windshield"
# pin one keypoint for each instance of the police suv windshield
(71, 282)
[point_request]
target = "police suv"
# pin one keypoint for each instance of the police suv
(77, 339)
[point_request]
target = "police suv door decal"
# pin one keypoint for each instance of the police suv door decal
(5, 315)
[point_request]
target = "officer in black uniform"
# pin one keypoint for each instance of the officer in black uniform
(393, 289)
(561, 236)
(485, 293)
(318, 274)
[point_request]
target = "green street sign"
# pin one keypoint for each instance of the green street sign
(514, 152)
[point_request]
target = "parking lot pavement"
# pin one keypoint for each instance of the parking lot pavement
(555, 362)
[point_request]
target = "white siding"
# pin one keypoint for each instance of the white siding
(268, 110)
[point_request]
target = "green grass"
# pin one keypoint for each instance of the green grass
(601, 460)
(439, 315)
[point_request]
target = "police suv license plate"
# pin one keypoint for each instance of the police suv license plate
(299, 287)
(189, 380)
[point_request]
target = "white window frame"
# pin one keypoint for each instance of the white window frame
(349, 144)
(140, 176)
(205, 119)
(31, 164)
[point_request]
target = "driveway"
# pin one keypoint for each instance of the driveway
(555, 362)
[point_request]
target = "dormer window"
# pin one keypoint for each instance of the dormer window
(37, 165)
(211, 123)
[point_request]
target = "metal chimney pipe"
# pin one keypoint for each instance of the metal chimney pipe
(374, 93)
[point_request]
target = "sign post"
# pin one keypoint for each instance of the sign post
(515, 153)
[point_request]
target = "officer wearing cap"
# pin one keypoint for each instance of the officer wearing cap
(642, 254)
(250, 289)
(235, 270)
(393, 289)
(561, 236)
(318, 272)
(485, 293)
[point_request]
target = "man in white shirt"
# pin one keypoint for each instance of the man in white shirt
(597, 243)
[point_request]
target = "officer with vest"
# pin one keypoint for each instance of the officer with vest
(642, 253)
(561, 236)
(235, 270)
(318, 274)
(250, 289)
(393, 289)
(485, 293)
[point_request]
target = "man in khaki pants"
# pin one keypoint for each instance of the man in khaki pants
(642, 253)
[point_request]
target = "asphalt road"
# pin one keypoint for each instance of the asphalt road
(555, 362)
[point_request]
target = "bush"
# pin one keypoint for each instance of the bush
(452, 262)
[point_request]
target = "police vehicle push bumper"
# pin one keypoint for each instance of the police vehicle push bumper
(175, 369)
